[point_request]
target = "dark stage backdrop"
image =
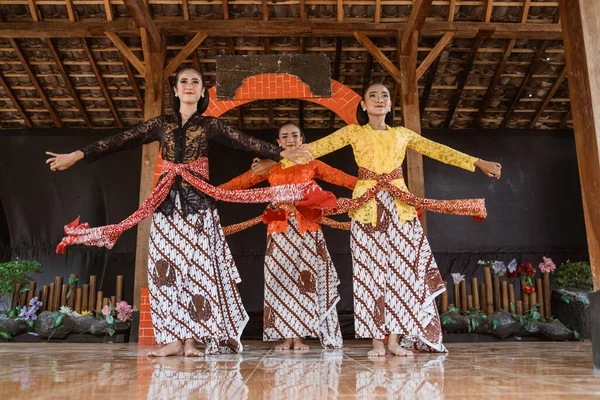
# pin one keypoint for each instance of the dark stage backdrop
(534, 210)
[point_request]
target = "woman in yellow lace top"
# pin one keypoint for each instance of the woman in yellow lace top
(395, 276)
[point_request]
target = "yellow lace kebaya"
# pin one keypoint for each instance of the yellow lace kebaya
(383, 151)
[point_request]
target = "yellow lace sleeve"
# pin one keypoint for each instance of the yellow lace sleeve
(440, 152)
(335, 141)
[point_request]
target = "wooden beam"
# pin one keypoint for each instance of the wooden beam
(126, 52)
(186, 10)
(489, 94)
(154, 54)
(419, 11)
(108, 10)
(549, 96)
(579, 19)
(409, 95)
(184, 53)
(98, 76)
(302, 10)
(525, 11)
(379, 56)
(68, 84)
(462, 78)
(336, 74)
(433, 54)
(427, 88)
(134, 86)
(33, 10)
(340, 10)
(367, 73)
(225, 9)
(307, 28)
(71, 11)
(35, 83)
(377, 11)
(15, 101)
(536, 60)
(141, 16)
(265, 10)
(566, 118)
(489, 7)
(451, 10)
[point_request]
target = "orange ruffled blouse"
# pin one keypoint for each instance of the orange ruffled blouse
(286, 172)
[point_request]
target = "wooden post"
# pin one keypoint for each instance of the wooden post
(113, 300)
(92, 298)
(63, 296)
(72, 289)
(99, 297)
(505, 303)
(23, 298)
(31, 292)
(475, 293)
(38, 294)
(85, 298)
(579, 19)
(540, 296)
(482, 298)
(489, 293)
(463, 295)
(78, 298)
(444, 300)
(50, 306)
(532, 299)
(16, 295)
(497, 301)
(119, 291)
(456, 295)
(511, 296)
(44, 298)
(469, 301)
(57, 292)
(546, 288)
(519, 307)
(524, 295)
(105, 302)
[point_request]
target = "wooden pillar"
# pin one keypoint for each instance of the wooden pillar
(411, 118)
(154, 57)
(580, 21)
(582, 54)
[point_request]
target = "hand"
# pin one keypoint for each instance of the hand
(300, 155)
(491, 169)
(61, 162)
(260, 167)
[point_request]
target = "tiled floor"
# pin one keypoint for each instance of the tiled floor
(515, 370)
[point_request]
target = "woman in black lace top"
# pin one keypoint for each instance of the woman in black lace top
(191, 272)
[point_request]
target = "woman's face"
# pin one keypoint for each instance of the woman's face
(377, 100)
(290, 137)
(189, 87)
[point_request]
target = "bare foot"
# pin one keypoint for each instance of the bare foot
(378, 349)
(285, 345)
(299, 344)
(395, 348)
(172, 349)
(190, 349)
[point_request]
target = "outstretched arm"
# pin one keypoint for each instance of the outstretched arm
(450, 156)
(335, 176)
(236, 139)
(244, 181)
(145, 132)
(335, 141)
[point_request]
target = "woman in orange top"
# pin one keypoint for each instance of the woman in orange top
(395, 276)
(300, 278)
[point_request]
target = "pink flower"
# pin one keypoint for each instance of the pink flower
(106, 311)
(124, 311)
(548, 265)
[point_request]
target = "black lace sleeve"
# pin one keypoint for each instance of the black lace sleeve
(145, 132)
(229, 136)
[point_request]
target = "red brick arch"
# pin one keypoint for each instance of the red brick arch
(343, 100)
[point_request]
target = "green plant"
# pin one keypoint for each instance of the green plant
(576, 275)
(13, 272)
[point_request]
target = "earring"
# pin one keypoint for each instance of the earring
(364, 109)
(202, 94)
(176, 95)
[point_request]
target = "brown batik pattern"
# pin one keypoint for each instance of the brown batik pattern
(396, 280)
(203, 302)
(300, 288)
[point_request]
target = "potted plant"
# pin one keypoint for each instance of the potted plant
(570, 302)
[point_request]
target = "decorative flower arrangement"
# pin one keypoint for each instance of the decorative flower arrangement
(121, 312)
(547, 266)
(457, 278)
(29, 314)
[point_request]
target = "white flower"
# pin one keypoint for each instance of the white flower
(458, 278)
(512, 267)
(66, 310)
